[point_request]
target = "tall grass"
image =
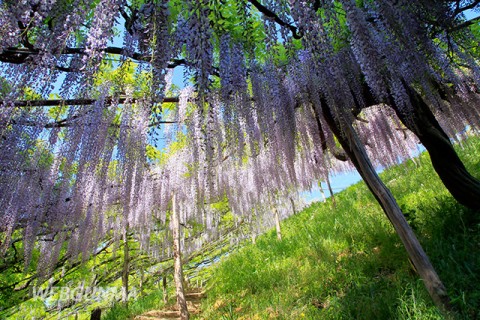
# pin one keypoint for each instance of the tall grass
(348, 263)
(153, 300)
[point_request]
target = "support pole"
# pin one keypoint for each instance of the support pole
(322, 192)
(177, 257)
(126, 267)
(277, 224)
(164, 288)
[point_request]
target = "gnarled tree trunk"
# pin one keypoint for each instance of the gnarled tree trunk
(460, 183)
(422, 122)
(356, 151)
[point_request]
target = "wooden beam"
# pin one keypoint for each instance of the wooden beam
(71, 102)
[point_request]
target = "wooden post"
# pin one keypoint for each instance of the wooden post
(126, 267)
(177, 257)
(142, 280)
(322, 192)
(277, 224)
(253, 230)
(331, 191)
(293, 205)
(164, 288)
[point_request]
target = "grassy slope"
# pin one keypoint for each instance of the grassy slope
(348, 263)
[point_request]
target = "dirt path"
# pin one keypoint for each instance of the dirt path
(193, 297)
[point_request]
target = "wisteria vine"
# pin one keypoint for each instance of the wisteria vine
(252, 130)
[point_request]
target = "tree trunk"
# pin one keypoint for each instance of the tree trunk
(357, 154)
(126, 267)
(177, 257)
(460, 183)
(277, 224)
(422, 122)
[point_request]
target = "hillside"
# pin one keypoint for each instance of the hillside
(332, 263)
(347, 262)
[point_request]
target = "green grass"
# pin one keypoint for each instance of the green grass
(348, 263)
(153, 300)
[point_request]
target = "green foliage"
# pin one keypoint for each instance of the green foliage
(174, 147)
(153, 153)
(473, 41)
(5, 87)
(348, 262)
(57, 112)
(122, 77)
(101, 271)
(30, 94)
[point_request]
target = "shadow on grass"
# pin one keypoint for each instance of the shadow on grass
(386, 285)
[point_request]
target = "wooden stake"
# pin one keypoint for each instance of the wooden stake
(322, 192)
(277, 224)
(177, 257)
(331, 192)
(164, 288)
(126, 267)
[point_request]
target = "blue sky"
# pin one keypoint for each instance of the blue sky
(338, 183)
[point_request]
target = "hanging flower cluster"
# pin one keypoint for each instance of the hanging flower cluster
(252, 138)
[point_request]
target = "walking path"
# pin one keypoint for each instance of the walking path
(193, 297)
